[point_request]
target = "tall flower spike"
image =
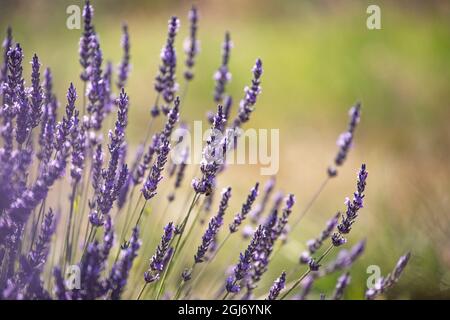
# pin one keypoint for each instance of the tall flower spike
(96, 89)
(124, 67)
(143, 166)
(251, 94)
(7, 43)
(245, 262)
(342, 283)
(214, 155)
(255, 214)
(85, 40)
(36, 93)
(191, 44)
(222, 75)
(78, 141)
(155, 174)
(207, 239)
(345, 140)
(353, 206)
(246, 207)
(16, 83)
(277, 286)
(165, 82)
(384, 283)
(120, 271)
(157, 261)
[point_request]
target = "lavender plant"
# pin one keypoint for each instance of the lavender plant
(42, 144)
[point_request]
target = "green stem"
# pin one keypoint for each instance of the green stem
(169, 264)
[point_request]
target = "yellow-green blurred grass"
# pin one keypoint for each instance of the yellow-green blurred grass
(318, 60)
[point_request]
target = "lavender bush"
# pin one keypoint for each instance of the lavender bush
(100, 226)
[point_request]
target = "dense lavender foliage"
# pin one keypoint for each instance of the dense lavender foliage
(70, 201)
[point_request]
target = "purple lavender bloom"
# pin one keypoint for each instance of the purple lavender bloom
(157, 262)
(191, 45)
(213, 156)
(186, 275)
(246, 207)
(277, 286)
(111, 185)
(207, 239)
(121, 269)
(251, 94)
(222, 75)
(124, 67)
(172, 119)
(146, 160)
(48, 121)
(342, 283)
(155, 174)
(96, 89)
(283, 220)
(17, 85)
(7, 44)
(85, 40)
(384, 283)
(78, 140)
(231, 285)
(165, 83)
(345, 140)
(245, 262)
(60, 284)
(36, 94)
(182, 168)
(255, 214)
(357, 203)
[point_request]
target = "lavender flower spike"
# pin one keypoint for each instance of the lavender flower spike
(7, 43)
(251, 94)
(191, 44)
(246, 207)
(85, 40)
(213, 156)
(124, 67)
(207, 239)
(346, 139)
(222, 75)
(277, 286)
(121, 269)
(354, 205)
(384, 283)
(342, 283)
(157, 262)
(36, 94)
(245, 262)
(155, 174)
(165, 80)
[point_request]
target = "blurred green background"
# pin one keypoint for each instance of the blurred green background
(319, 58)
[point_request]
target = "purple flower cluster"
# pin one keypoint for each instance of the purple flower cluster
(384, 283)
(159, 259)
(246, 207)
(345, 140)
(251, 94)
(277, 286)
(245, 262)
(223, 75)
(191, 44)
(72, 152)
(165, 82)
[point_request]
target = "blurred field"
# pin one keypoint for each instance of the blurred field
(319, 58)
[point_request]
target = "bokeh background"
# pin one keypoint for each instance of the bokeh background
(319, 58)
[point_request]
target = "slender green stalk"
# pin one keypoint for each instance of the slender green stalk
(142, 291)
(180, 236)
(67, 245)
